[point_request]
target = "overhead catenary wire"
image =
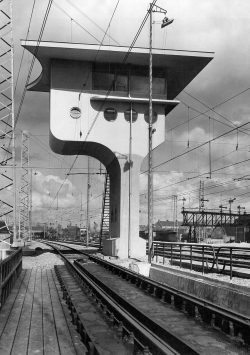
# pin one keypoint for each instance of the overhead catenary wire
(92, 21)
(197, 147)
(33, 60)
(23, 51)
(76, 22)
(211, 108)
(205, 173)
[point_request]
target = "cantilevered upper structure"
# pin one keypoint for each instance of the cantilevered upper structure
(99, 107)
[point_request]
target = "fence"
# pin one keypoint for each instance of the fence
(203, 257)
(10, 269)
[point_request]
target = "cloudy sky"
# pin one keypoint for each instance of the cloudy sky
(223, 86)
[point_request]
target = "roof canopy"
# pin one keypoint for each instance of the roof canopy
(182, 66)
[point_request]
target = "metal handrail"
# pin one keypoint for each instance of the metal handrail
(10, 269)
(212, 258)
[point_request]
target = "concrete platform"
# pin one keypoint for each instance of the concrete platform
(35, 319)
(228, 295)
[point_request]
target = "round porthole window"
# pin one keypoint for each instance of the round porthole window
(75, 112)
(127, 115)
(110, 114)
(154, 118)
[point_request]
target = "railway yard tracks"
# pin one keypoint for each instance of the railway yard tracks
(117, 311)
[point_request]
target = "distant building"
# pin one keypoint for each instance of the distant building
(164, 231)
(229, 234)
(71, 232)
(38, 231)
(170, 225)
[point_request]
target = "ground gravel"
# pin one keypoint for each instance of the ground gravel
(43, 261)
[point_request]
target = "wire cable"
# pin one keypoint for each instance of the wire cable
(204, 113)
(92, 21)
(33, 61)
(26, 38)
(77, 23)
(197, 147)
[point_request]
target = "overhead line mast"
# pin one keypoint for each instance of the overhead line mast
(165, 22)
(7, 121)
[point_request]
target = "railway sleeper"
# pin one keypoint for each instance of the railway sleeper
(122, 338)
(139, 338)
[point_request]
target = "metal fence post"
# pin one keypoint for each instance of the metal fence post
(202, 259)
(231, 263)
(163, 254)
(1, 284)
(191, 258)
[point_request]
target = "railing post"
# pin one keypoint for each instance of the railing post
(1, 278)
(231, 263)
(191, 258)
(171, 254)
(202, 259)
(180, 255)
(163, 254)
(156, 251)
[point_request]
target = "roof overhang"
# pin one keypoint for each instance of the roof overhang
(186, 63)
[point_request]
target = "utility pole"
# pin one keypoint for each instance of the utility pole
(30, 207)
(88, 190)
(165, 22)
(174, 200)
(230, 201)
(130, 183)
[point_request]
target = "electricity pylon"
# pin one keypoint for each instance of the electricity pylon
(25, 191)
(7, 121)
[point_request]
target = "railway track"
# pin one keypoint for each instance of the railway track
(144, 316)
(225, 260)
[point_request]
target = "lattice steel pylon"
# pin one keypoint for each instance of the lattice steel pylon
(7, 122)
(174, 202)
(25, 191)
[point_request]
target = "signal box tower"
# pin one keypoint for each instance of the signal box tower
(99, 102)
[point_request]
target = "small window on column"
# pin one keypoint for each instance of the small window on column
(154, 116)
(127, 115)
(110, 114)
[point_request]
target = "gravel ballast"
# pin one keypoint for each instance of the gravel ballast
(44, 261)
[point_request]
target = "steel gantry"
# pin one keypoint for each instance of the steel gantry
(206, 218)
(7, 123)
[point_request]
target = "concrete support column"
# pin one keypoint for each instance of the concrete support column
(124, 205)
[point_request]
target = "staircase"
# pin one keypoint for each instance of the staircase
(104, 230)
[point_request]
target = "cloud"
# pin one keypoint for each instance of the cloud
(44, 192)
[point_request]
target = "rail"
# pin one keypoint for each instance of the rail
(204, 257)
(137, 327)
(10, 269)
(231, 322)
